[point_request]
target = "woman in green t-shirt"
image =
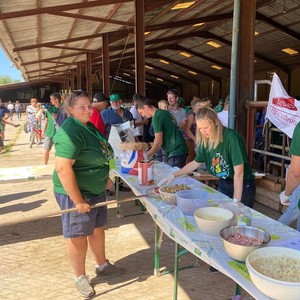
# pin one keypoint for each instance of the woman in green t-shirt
(223, 151)
(80, 179)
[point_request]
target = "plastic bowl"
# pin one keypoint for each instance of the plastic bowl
(171, 197)
(188, 201)
(211, 220)
(274, 288)
(240, 252)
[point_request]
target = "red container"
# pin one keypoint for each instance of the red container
(146, 173)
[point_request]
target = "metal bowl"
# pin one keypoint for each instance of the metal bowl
(240, 252)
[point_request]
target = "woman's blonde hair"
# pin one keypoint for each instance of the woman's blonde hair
(206, 113)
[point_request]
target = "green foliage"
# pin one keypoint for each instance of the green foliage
(6, 80)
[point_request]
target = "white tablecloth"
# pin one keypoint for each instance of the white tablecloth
(184, 230)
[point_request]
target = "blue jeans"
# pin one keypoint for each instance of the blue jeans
(225, 186)
(292, 213)
(177, 161)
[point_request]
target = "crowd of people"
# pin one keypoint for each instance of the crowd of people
(187, 138)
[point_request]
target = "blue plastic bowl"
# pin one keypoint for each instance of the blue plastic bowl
(189, 200)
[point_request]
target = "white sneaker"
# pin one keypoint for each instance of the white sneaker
(84, 287)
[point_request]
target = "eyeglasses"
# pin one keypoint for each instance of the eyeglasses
(79, 93)
(75, 94)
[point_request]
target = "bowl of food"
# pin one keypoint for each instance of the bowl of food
(240, 241)
(275, 271)
(168, 193)
(189, 200)
(211, 220)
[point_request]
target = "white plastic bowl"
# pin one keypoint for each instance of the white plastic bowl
(276, 289)
(189, 200)
(221, 219)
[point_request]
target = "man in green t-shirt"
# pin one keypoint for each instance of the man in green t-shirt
(166, 132)
(50, 126)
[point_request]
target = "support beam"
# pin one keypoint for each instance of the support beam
(246, 61)
(57, 8)
(92, 18)
(105, 64)
(88, 75)
(290, 32)
(187, 67)
(79, 76)
(51, 58)
(139, 37)
(194, 81)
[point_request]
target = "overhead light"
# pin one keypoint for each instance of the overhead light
(164, 61)
(126, 74)
(133, 70)
(174, 76)
(118, 77)
(216, 67)
(255, 61)
(185, 54)
(213, 44)
(148, 81)
(192, 72)
(198, 24)
(159, 79)
(183, 5)
(256, 33)
(289, 51)
(146, 32)
(148, 67)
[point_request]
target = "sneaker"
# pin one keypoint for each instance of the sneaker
(124, 189)
(212, 270)
(110, 270)
(84, 287)
(109, 193)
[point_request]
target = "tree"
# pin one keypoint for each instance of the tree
(6, 80)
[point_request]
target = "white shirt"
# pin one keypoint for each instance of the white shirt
(223, 117)
(140, 129)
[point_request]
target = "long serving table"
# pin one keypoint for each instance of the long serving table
(184, 231)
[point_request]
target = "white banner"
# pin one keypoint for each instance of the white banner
(283, 111)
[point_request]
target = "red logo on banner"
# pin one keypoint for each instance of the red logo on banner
(287, 103)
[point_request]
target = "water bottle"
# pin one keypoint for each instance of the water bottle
(244, 216)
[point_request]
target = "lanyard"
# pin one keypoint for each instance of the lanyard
(105, 146)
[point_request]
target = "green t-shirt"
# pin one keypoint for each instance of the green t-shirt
(91, 153)
(295, 149)
(221, 160)
(295, 144)
(173, 141)
(51, 113)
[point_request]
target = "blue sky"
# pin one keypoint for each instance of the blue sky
(6, 70)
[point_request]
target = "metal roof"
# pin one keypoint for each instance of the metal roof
(46, 39)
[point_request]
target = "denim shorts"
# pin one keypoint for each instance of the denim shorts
(76, 224)
(48, 143)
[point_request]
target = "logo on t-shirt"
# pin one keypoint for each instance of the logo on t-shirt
(219, 166)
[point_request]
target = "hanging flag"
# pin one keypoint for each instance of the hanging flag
(283, 111)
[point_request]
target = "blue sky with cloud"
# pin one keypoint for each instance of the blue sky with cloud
(7, 70)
